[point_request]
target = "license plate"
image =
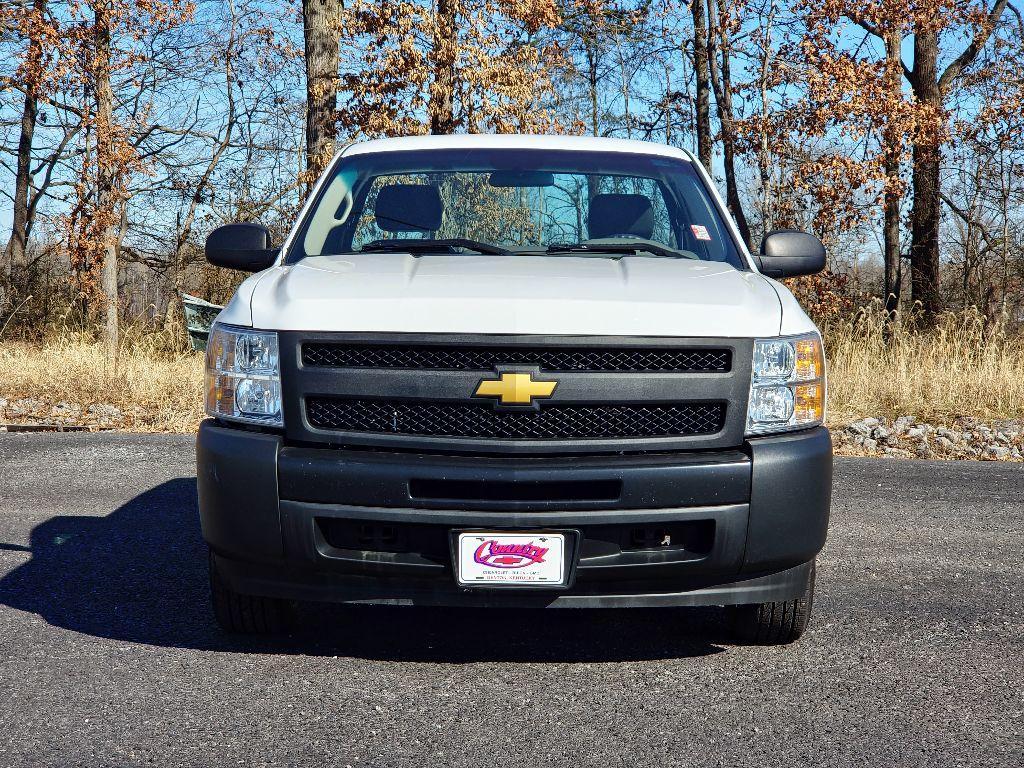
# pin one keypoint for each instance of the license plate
(491, 559)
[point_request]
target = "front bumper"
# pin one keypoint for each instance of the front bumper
(359, 526)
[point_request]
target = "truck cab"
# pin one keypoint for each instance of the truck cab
(515, 371)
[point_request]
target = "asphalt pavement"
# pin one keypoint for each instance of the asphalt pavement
(109, 655)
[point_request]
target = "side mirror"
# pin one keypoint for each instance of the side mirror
(241, 246)
(791, 253)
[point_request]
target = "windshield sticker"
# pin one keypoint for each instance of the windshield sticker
(700, 232)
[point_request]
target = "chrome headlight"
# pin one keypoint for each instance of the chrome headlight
(787, 384)
(243, 376)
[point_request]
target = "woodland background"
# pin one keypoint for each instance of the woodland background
(890, 128)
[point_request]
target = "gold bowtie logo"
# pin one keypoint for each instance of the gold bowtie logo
(515, 388)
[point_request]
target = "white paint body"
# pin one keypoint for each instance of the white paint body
(519, 294)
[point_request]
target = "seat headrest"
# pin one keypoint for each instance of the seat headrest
(612, 215)
(408, 208)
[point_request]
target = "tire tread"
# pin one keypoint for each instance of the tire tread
(774, 623)
(243, 614)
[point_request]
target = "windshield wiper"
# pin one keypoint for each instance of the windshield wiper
(414, 245)
(624, 247)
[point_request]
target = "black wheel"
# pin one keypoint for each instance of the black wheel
(244, 614)
(773, 623)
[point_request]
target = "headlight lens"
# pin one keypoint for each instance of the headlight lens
(243, 376)
(770, 404)
(787, 387)
(774, 359)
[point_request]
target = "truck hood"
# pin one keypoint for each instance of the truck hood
(401, 293)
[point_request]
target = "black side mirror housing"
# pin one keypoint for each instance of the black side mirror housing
(791, 253)
(241, 246)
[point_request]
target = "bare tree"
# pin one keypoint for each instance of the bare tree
(702, 83)
(21, 225)
(108, 212)
(442, 55)
(892, 149)
(321, 21)
(720, 57)
(932, 87)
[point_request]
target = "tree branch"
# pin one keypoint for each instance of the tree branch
(965, 59)
(968, 219)
(1020, 19)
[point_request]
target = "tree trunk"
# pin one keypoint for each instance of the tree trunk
(927, 156)
(18, 243)
(703, 87)
(892, 149)
(441, 107)
(924, 252)
(21, 224)
(320, 22)
(930, 90)
(106, 177)
(593, 85)
(721, 81)
(891, 241)
(593, 90)
(766, 154)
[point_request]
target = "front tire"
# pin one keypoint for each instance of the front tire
(777, 623)
(244, 614)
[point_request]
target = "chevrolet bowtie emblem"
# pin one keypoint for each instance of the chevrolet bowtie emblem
(515, 388)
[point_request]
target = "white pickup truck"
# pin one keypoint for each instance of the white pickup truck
(519, 372)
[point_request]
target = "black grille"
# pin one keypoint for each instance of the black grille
(685, 360)
(553, 422)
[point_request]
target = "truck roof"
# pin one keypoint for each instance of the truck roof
(515, 141)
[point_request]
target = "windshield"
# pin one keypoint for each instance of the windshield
(515, 202)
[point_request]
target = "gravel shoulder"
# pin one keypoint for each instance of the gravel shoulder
(913, 657)
(963, 437)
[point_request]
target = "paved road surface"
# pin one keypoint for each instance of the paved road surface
(108, 655)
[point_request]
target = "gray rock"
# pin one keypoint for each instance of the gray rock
(66, 410)
(903, 423)
(860, 428)
(26, 406)
(105, 411)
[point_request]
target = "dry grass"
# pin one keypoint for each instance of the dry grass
(157, 391)
(959, 370)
